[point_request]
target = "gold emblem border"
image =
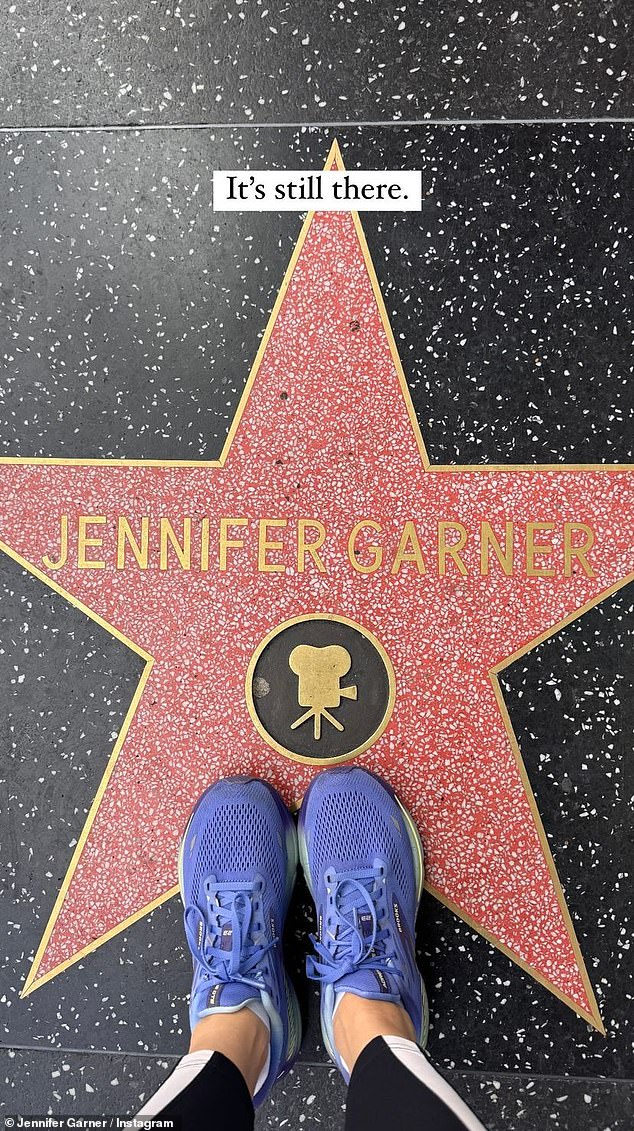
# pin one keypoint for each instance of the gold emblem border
(32, 982)
(261, 729)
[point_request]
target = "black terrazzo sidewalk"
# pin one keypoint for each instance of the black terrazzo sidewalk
(131, 316)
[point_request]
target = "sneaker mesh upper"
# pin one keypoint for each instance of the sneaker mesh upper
(353, 827)
(242, 836)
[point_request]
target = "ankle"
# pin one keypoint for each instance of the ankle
(358, 1021)
(241, 1036)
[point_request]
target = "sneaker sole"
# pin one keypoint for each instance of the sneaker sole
(416, 844)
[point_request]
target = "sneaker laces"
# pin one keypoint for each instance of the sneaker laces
(346, 945)
(228, 911)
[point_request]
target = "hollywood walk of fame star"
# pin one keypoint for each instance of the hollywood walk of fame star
(325, 433)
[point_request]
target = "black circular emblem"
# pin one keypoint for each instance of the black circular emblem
(320, 688)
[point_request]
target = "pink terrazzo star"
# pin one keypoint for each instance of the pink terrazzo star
(325, 432)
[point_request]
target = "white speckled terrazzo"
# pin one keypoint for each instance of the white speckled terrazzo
(133, 316)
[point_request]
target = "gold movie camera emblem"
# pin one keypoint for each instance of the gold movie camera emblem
(320, 671)
(309, 667)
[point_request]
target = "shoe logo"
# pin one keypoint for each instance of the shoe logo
(320, 688)
(382, 980)
(366, 924)
(214, 996)
(320, 671)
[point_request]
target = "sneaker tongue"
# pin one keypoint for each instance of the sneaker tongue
(221, 996)
(366, 982)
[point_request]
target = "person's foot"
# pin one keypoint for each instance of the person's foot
(237, 866)
(363, 861)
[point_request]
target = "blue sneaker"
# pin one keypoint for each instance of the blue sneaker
(363, 861)
(237, 866)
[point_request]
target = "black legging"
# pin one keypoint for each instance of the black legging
(382, 1090)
